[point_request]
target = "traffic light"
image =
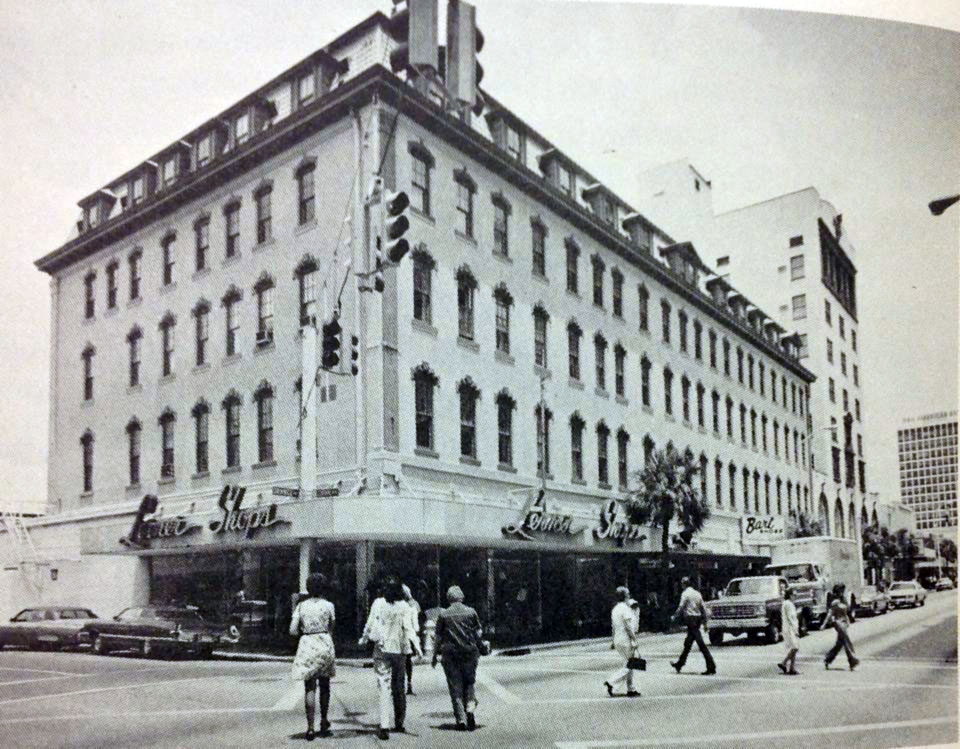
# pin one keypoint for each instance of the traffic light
(378, 282)
(414, 26)
(331, 343)
(396, 224)
(354, 355)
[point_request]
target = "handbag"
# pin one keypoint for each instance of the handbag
(636, 662)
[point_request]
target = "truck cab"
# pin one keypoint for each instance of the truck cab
(811, 586)
(748, 604)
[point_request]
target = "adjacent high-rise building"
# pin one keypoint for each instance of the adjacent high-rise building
(927, 453)
(793, 256)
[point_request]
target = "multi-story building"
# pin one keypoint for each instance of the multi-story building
(927, 453)
(538, 341)
(792, 255)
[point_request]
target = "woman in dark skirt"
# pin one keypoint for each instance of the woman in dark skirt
(315, 662)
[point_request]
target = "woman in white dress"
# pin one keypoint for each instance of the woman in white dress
(315, 662)
(791, 634)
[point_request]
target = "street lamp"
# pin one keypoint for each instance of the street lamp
(941, 204)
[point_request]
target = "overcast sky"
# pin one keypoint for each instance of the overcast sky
(762, 102)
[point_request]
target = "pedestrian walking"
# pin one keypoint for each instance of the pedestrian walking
(791, 634)
(388, 628)
(624, 623)
(415, 625)
(839, 617)
(693, 614)
(458, 641)
(315, 661)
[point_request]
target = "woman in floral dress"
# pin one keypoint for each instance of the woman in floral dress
(315, 662)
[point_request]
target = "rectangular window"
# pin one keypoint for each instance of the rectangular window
(540, 338)
(804, 352)
(726, 357)
(840, 326)
(619, 360)
(796, 241)
(564, 179)
(514, 144)
(572, 272)
(112, 285)
(722, 261)
(830, 351)
(242, 128)
(305, 196)
(201, 232)
(265, 316)
(645, 382)
(713, 350)
(233, 433)
(617, 279)
(600, 356)
(134, 262)
(468, 423)
(138, 190)
(88, 375)
(622, 472)
(202, 427)
(685, 398)
(421, 291)
(133, 453)
(89, 306)
(503, 324)
(465, 293)
(597, 282)
(831, 390)
(603, 476)
(420, 184)
(169, 259)
(576, 449)
(799, 307)
(134, 379)
(716, 411)
(573, 351)
(501, 245)
(668, 392)
(853, 340)
(856, 375)
(665, 320)
(796, 267)
(424, 412)
(505, 431)
(682, 326)
(166, 334)
(233, 327)
(87, 444)
(202, 335)
(170, 171)
(643, 298)
(263, 206)
(232, 216)
(539, 249)
(167, 443)
(265, 427)
(697, 340)
(826, 311)
(306, 87)
(843, 363)
(465, 208)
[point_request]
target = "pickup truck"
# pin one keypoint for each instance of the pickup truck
(749, 604)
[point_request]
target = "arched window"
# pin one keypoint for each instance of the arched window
(231, 405)
(603, 471)
(167, 327)
(88, 353)
(306, 276)
(576, 447)
(263, 397)
(201, 316)
(574, 334)
(134, 338)
(469, 395)
(503, 301)
(134, 430)
(167, 461)
(505, 406)
(466, 291)
(424, 382)
(623, 440)
(263, 289)
(86, 444)
(201, 422)
(838, 519)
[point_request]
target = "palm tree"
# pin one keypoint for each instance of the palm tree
(948, 550)
(907, 551)
(876, 549)
(667, 492)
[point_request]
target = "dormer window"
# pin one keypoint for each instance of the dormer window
(204, 150)
(241, 128)
(306, 88)
(92, 216)
(170, 171)
(514, 143)
(122, 193)
(564, 179)
(139, 190)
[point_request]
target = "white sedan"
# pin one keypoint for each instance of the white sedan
(907, 593)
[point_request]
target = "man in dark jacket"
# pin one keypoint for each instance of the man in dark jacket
(457, 640)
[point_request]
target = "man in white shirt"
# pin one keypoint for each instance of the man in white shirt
(624, 622)
(693, 614)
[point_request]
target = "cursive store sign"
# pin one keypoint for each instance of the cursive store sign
(536, 519)
(236, 519)
(762, 529)
(146, 526)
(611, 527)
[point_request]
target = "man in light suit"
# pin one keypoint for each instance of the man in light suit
(624, 622)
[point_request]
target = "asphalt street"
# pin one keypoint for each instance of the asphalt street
(904, 693)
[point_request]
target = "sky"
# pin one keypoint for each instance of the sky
(762, 102)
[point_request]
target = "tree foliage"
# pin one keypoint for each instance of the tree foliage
(802, 525)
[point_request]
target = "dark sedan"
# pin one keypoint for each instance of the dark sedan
(156, 630)
(51, 627)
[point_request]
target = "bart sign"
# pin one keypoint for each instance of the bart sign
(762, 529)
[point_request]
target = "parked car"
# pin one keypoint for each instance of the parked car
(872, 601)
(53, 627)
(944, 583)
(907, 593)
(160, 630)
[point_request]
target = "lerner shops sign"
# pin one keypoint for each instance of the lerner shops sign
(762, 529)
(149, 524)
(536, 520)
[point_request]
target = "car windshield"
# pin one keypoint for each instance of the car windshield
(902, 586)
(796, 573)
(752, 586)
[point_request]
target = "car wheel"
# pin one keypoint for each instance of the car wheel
(716, 637)
(99, 645)
(773, 633)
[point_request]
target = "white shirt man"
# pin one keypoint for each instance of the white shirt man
(624, 621)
